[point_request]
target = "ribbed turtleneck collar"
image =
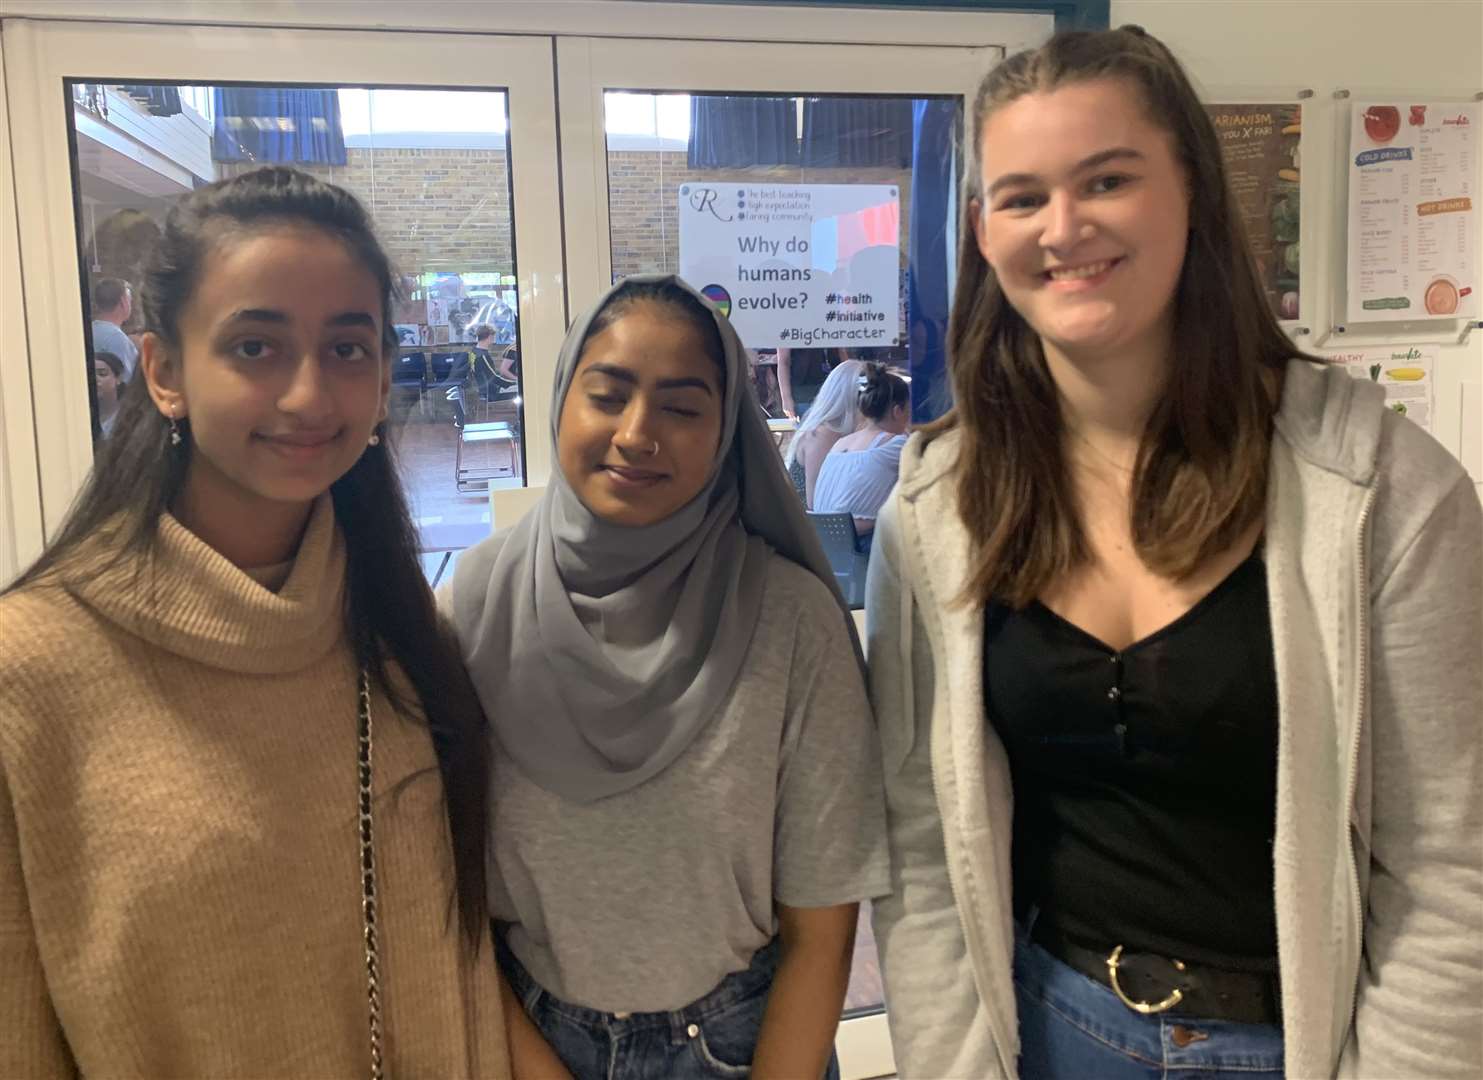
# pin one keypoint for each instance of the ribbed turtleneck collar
(190, 600)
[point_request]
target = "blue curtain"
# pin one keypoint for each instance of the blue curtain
(859, 132)
(736, 132)
(277, 126)
(931, 251)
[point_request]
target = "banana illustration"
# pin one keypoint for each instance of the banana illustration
(1406, 374)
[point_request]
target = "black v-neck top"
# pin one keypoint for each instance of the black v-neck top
(1145, 780)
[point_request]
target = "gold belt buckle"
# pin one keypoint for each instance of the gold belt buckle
(1147, 1008)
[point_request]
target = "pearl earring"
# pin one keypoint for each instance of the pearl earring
(374, 440)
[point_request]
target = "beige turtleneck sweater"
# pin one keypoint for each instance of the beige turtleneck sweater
(179, 858)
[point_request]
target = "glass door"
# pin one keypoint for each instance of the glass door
(811, 191)
(447, 139)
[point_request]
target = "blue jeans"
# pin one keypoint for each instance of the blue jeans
(710, 1038)
(1074, 1028)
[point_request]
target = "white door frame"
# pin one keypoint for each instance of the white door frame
(586, 67)
(682, 22)
(40, 55)
(21, 534)
(950, 54)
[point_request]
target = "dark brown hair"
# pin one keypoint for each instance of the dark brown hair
(482, 331)
(1200, 479)
(881, 392)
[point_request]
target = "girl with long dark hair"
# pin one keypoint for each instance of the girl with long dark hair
(242, 771)
(1173, 641)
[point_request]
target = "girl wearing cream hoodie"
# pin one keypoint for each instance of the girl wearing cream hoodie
(1173, 642)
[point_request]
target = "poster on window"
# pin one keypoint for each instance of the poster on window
(1261, 148)
(797, 265)
(1406, 374)
(1413, 216)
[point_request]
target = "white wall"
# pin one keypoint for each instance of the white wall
(1408, 46)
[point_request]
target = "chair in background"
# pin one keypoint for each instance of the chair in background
(837, 534)
(488, 413)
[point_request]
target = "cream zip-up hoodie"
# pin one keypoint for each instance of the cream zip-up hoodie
(1374, 557)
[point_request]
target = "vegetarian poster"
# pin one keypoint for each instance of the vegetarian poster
(1260, 144)
(1413, 212)
(1406, 373)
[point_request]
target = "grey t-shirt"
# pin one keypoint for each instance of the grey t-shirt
(644, 901)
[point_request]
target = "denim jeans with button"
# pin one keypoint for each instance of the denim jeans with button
(1073, 1028)
(710, 1038)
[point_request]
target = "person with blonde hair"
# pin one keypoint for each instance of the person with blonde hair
(835, 414)
(1173, 637)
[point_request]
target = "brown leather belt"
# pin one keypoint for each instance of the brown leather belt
(1151, 984)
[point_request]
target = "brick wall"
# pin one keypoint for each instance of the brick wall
(449, 210)
(435, 209)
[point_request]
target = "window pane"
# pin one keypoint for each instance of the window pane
(429, 165)
(825, 225)
(817, 215)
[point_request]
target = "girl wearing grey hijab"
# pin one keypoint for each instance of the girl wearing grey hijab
(685, 774)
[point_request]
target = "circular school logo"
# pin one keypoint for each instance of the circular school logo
(718, 296)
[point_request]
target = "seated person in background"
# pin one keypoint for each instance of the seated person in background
(835, 413)
(801, 374)
(108, 384)
(113, 302)
(502, 367)
(860, 470)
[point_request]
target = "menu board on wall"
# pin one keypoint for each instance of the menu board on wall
(1260, 146)
(1405, 372)
(1413, 216)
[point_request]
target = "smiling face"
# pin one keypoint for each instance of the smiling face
(279, 367)
(641, 423)
(1085, 215)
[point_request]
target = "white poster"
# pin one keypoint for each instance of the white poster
(1406, 373)
(1413, 217)
(797, 265)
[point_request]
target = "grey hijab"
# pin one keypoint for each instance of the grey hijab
(601, 651)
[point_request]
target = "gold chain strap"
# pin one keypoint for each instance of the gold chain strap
(368, 877)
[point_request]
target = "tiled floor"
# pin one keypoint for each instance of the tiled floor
(427, 443)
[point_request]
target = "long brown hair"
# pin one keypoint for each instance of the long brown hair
(1200, 478)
